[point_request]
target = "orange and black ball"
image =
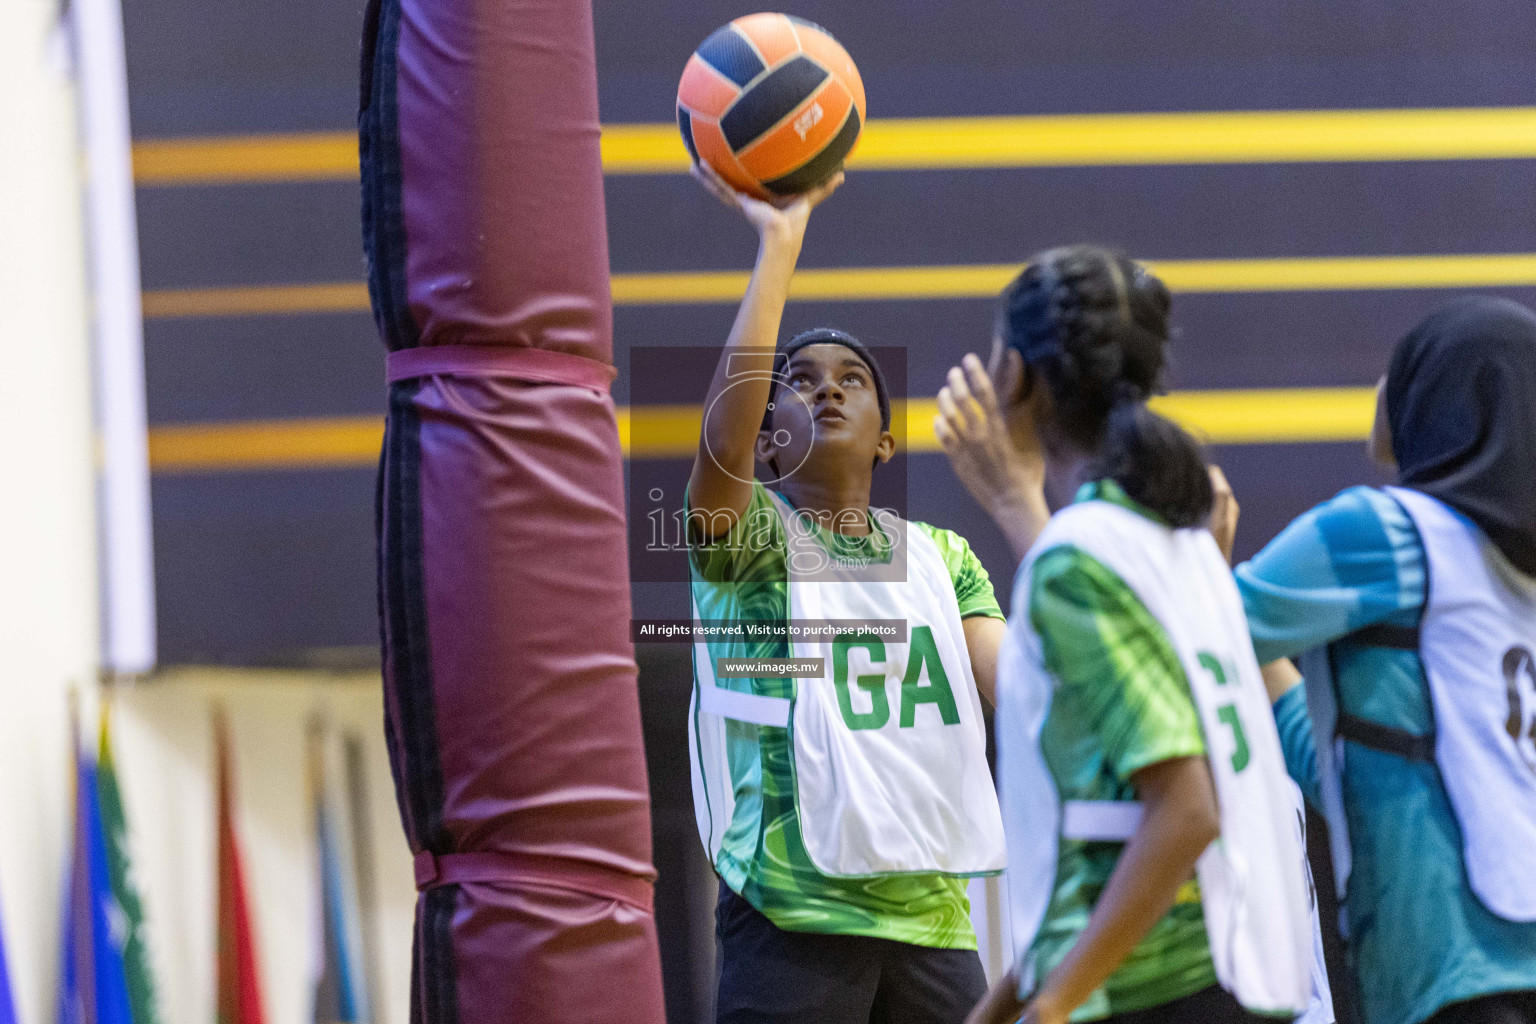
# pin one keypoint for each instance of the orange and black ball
(771, 102)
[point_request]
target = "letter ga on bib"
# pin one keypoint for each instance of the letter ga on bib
(889, 748)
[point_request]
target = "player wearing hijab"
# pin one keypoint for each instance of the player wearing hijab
(1415, 606)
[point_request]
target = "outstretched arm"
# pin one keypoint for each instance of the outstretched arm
(720, 487)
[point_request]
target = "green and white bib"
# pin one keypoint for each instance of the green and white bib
(859, 802)
(1253, 887)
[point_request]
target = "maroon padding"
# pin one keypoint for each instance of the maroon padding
(510, 693)
(536, 712)
(560, 958)
(434, 872)
(526, 364)
(502, 182)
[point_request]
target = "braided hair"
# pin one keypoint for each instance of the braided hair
(1094, 325)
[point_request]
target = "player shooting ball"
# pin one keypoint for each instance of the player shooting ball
(845, 811)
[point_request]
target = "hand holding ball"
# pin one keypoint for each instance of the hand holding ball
(772, 103)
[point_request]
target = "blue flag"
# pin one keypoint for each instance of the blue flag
(94, 984)
(341, 987)
(7, 1008)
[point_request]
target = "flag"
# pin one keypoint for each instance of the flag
(125, 890)
(239, 984)
(341, 986)
(357, 789)
(7, 1008)
(94, 986)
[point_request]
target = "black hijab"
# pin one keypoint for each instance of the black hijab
(1461, 403)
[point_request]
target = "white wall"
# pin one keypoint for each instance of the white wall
(48, 625)
(49, 639)
(163, 737)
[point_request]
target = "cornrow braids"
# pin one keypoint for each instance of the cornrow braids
(1094, 325)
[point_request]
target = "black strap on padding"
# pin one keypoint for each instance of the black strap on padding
(1386, 739)
(1384, 634)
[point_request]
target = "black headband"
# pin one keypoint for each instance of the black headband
(830, 336)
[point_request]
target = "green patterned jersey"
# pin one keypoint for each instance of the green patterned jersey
(1122, 703)
(742, 577)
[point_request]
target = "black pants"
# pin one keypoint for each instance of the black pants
(771, 976)
(1213, 1005)
(1500, 1008)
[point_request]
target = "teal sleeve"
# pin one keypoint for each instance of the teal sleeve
(973, 587)
(1113, 662)
(1352, 561)
(1295, 727)
(749, 551)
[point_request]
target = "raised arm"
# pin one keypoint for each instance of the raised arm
(995, 456)
(720, 486)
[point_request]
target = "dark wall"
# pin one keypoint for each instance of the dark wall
(277, 567)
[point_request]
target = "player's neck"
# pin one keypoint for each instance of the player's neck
(841, 506)
(1065, 472)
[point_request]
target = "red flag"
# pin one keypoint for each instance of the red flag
(239, 998)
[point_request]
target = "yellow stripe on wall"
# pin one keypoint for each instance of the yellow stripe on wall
(257, 300)
(1273, 415)
(854, 284)
(306, 156)
(1240, 416)
(1085, 140)
(1331, 273)
(266, 444)
(1054, 140)
(1255, 416)
(659, 431)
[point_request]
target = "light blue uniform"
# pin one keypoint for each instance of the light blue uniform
(1419, 938)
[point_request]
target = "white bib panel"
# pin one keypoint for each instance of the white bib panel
(1253, 886)
(1478, 644)
(1320, 1009)
(889, 746)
